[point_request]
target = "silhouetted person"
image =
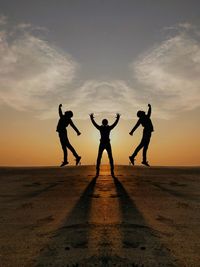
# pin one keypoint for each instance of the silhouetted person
(64, 121)
(145, 121)
(105, 141)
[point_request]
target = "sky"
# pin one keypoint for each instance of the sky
(100, 57)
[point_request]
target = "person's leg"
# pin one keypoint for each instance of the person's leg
(140, 146)
(64, 153)
(145, 148)
(109, 151)
(70, 147)
(100, 152)
(63, 138)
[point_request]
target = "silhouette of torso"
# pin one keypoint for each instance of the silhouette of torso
(146, 123)
(63, 123)
(105, 133)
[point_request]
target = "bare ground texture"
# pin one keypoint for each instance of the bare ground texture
(63, 217)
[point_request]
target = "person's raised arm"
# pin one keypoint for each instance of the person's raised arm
(135, 127)
(149, 111)
(93, 121)
(116, 121)
(74, 127)
(60, 110)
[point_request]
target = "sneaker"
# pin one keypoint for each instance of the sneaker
(64, 163)
(132, 160)
(78, 160)
(145, 163)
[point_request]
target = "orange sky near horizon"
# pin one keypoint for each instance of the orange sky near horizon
(28, 141)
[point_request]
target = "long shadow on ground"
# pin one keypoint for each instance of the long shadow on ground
(71, 239)
(140, 242)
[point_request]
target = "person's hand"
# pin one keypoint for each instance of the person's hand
(149, 105)
(78, 133)
(60, 105)
(118, 115)
(131, 133)
(92, 115)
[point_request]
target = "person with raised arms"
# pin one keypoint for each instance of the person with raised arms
(105, 141)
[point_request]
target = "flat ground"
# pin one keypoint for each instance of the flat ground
(64, 217)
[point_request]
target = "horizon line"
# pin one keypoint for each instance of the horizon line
(70, 166)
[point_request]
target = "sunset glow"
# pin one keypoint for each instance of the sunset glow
(118, 65)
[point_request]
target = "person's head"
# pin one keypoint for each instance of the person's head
(104, 122)
(68, 114)
(140, 114)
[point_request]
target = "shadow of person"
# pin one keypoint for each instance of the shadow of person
(71, 239)
(140, 243)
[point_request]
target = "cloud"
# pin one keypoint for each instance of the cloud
(33, 73)
(181, 27)
(102, 98)
(106, 98)
(169, 73)
(37, 76)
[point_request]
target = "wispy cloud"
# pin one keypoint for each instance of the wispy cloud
(99, 97)
(105, 97)
(37, 76)
(32, 72)
(169, 73)
(181, 27)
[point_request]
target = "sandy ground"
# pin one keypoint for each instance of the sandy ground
(64, 217)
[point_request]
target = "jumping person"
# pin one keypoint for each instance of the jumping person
(105, 141)
(145, 121)
(64, 121)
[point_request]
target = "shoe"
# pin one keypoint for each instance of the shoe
(145, 163)
(64, 163)
(132, 160)
(78, 160)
